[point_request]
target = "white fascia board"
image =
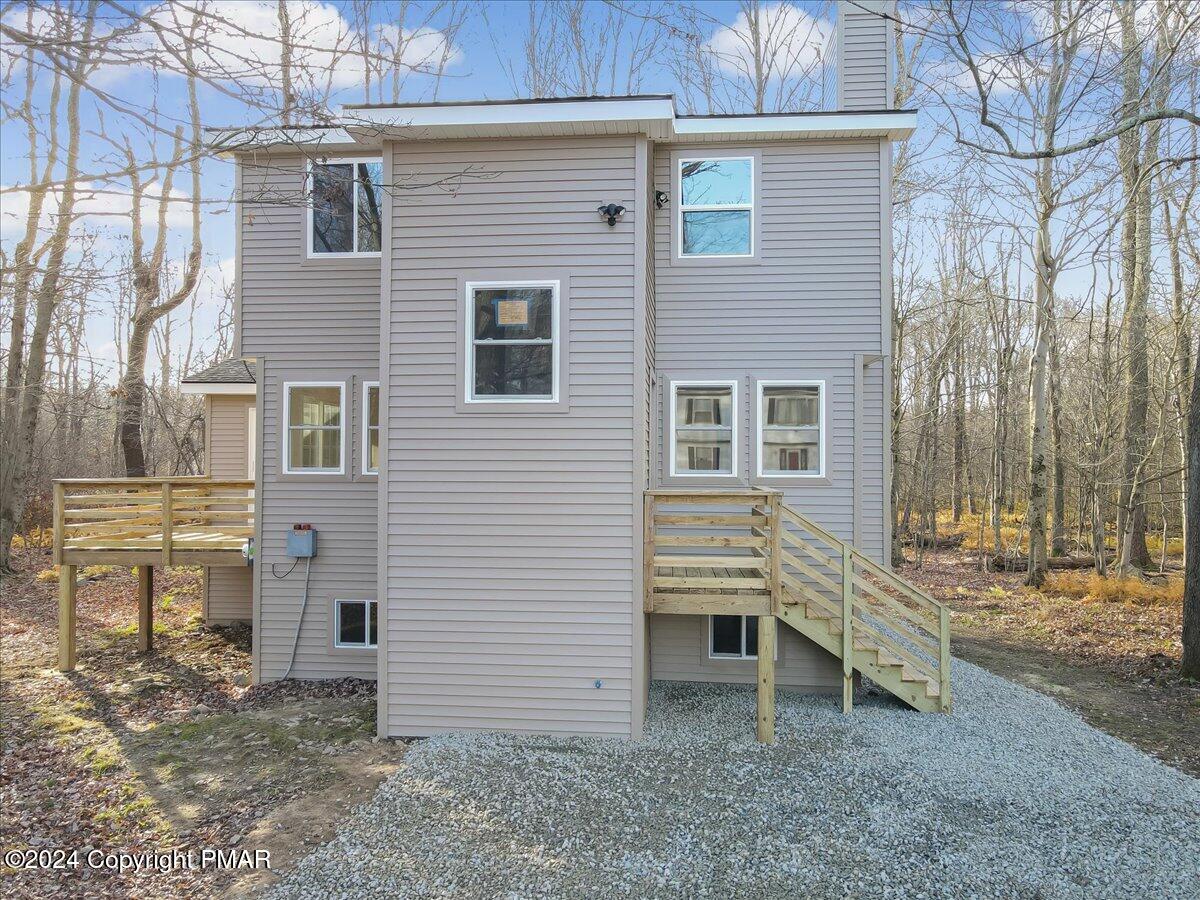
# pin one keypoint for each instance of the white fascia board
(227, 388)
(895, 125)
(502, 114)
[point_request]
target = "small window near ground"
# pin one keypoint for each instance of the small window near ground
(513, 353)
(314, 431)
(716, 210)
(733, 637)
(371, 436)
(790, 425)
(703, 428)
(356, 623)
(346, 207)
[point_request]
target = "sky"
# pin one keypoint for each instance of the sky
(486, 51)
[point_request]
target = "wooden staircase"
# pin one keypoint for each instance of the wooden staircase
(773, 562)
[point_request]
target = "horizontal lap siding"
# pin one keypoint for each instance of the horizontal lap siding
(680, 653)
(803, 310)
(510, 537)
(864, 59)
(307, 320)
(228, 591)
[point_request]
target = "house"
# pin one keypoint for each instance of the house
(508, 363)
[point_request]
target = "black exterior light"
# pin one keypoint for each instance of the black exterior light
(660, 199)
(612, 212)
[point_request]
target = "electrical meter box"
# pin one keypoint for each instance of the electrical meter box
(302, 541)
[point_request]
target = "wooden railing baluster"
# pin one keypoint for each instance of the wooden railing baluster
(847, 629)
(168, 522)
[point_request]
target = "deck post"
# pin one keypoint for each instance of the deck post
(776, 511)
(60, 521)
(766, 679)
(648, 553)
(66, 618)
(145, 595)
(944, 658)
(168, 519)
(847, 628)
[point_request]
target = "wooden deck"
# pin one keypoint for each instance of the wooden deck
(145, 522)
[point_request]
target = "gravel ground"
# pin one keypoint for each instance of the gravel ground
(1012, 796)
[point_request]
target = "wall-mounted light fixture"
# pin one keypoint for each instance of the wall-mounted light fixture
(612, 212)
(660, 199)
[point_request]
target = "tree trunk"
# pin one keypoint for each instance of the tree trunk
(1058, 540)
(1191, 592)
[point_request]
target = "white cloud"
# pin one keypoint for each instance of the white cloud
(95, 206)
(240, 41)
(789, 40)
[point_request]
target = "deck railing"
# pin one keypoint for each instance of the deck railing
(746, 552)
(165, 516)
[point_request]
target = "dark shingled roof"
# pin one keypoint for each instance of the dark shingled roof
(228, 371)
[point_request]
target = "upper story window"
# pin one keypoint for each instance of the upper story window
(716, 209)
(371, 428)
(512, 348)
(314, 414)
(703, 428)
(791, 422)
(346, 209)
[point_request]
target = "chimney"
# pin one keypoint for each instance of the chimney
(865, 54)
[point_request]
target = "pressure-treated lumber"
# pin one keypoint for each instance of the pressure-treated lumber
(66, 618)
(766, 679)
(145, 597)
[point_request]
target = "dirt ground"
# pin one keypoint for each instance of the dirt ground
(172, 749)
(1114, 661)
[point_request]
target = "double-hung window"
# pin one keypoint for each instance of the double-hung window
(512, 342)
(345, 207)
(314, 412)
(716, 208)
(703, 428)
(355, 624)
(370, 450)
(791, 423)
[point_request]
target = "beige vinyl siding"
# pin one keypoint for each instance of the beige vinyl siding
(803, 311)
(864, 58)
(307, 320)
(680, 645)
(228, 590)
(510, 536)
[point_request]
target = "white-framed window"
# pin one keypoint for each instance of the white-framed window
(314, 412)
(703, 428)
(513, 342)
(370, 414)
(345, 208)
(791, 429)
(355, 624)
(735, 637)
(716, 207)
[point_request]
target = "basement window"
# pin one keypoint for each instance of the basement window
(314, 412)
(733, 637)
(703, 428)
(513, 342)
(716, 209)
(356, 624)
(791, 424)
(345, 215)
(371, 428)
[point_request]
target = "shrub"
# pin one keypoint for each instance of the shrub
(1090, 586)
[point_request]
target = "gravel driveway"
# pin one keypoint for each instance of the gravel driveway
(1012, 796)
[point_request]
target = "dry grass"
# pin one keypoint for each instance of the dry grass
(1093, 587)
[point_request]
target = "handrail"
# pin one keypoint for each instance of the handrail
(166, 515)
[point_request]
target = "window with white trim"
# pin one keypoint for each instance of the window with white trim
(355, 624)
(513, 341)
(314, 414)
(703, 428)
(716, 207)
(371, 428)
(733, 637)
(346, 207)
(790, 429)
